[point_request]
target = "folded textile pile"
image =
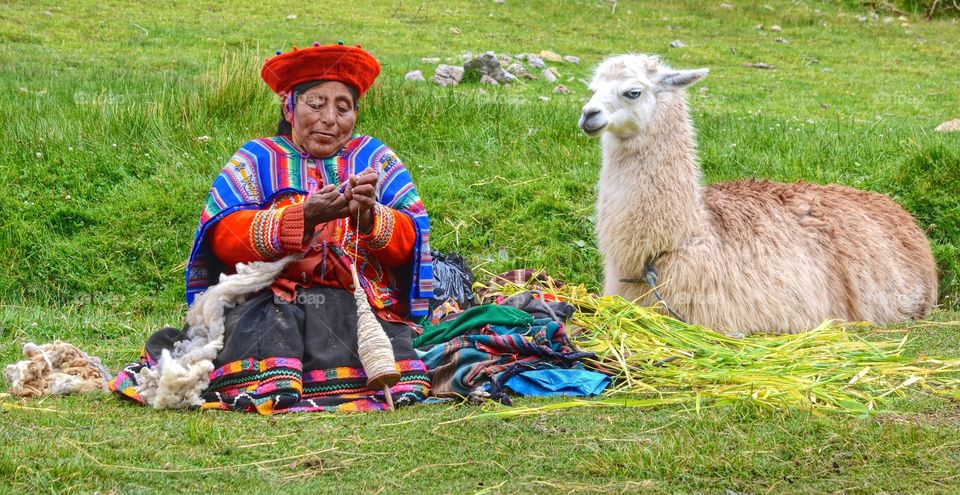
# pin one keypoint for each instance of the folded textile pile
(518, 345)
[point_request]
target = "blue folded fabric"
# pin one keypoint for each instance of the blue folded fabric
(553, 382)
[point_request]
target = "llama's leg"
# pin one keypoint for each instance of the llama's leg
(611, 280)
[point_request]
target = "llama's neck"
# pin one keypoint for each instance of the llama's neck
(650, 184)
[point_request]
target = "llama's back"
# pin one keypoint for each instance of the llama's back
(859, 250)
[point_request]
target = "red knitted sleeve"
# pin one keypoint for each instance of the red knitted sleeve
(392, 237)
(260, 235)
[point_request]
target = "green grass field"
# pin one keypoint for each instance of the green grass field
(101, 109)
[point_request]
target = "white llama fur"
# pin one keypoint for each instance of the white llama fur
(179, 377)
(746, 256)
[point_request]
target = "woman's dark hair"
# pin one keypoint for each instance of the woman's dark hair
(283, 127)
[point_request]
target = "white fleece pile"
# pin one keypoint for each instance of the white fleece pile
(179, 377)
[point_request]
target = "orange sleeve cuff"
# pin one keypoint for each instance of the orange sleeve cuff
(392, 237)
(292, 234)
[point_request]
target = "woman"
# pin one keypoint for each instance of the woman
(318, 190)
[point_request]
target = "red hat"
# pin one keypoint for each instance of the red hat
(350, 65)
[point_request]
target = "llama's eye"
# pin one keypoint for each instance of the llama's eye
(633, 94)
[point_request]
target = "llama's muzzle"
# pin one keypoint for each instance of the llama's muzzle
(592, 121)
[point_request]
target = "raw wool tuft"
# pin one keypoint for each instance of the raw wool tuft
(56, 369)
(179, 377)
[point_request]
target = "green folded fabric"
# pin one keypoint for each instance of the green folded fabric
(477, 316)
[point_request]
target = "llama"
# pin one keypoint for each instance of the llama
(746, 256)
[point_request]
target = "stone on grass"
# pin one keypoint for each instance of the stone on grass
(551, 56)
(949, 126)
(677, 44)
(448, 75)
(455, 31)
(518, 71)
(430, 60)
(487, 65)
(561, 89)
(485, 79)
(776, 28)
(758, 65)
(571, 59)
(535, 62)
(414, 76)
(549, 76)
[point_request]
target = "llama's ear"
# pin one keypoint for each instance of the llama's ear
(681, 78)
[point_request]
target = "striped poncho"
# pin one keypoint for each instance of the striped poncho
(267, 167)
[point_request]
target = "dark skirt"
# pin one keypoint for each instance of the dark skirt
(286, 357)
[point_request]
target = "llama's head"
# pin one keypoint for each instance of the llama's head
(627, 90)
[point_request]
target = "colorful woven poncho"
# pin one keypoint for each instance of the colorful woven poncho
(264, 168)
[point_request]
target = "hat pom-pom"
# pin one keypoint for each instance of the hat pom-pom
(279, 52)
(316, 44)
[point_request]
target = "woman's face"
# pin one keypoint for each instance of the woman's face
(323, 118)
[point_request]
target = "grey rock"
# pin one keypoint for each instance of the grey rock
(550, 77)
(414, 76)
(782, 40)
(758, 65)
(677, 44)
(485, 79)
(776, 28)
(535, 62)
(448, 75)
(561, 89)
(518, 71)
(949, 126)
(505, 60)
(487, 65)
(430, 60)
(571, 59)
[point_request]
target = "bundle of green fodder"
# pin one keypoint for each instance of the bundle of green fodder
(657, 360)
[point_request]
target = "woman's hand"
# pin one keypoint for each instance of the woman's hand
(324, 205)
(361, 195)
